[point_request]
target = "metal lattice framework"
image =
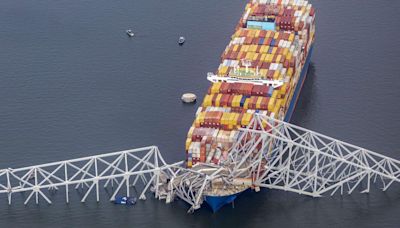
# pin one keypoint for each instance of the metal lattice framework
(142, 168)
(189, 185)
(291, 158)
(269, 152)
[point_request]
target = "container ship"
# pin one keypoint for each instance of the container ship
(262, 70)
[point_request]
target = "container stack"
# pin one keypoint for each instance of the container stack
(271, 42)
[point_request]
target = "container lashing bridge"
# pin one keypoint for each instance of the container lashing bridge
(270, 153)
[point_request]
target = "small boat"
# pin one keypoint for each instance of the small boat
(125, 200)
(130, 33)
(181, 40)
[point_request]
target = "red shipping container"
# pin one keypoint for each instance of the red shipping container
(235, 88)
(224, 87)
(255, 90)
(286, 63)
(279, 51)
(278, 21)
(243, 55)
(214, 98)
(254, 41)
(248, 40)
(224, 100)
(230, 101)
(263, 33)
(247, 90)
(270, 74)
(235, 55)
(264, 103)
(286, 36)
(274, 58)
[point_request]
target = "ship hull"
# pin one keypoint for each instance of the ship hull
(217, 202)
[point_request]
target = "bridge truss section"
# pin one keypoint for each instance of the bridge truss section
(283, 156)
(144, 168)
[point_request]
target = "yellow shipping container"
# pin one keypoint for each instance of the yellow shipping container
(257, 34)
(202, 116)
(245, 48)
(269, 57)
(246, 103)
(283, 88)
(215, 87)
(271, 104)
(284, 100)
(278, 58)
(255, 56)
(276, 35)
(246, 119)
(289, 56)
(291, 37)
(274, 49)
(249, 55)
(285, 52)
(207, 100)
(234, 118)
(263, 73)
(189, 164)
(236, 101)
(276, 75)
(266, 49)
(237, 33)
(252, 33)
(290, 72)
(224, 118)
(262, 49)
(263, 56)
(218, 99)
(190, 133)
(275, 94)
(197, 122)
(223, 70)
(278, 104)
(235, 47)
(258, 104)
(188, 142)
(276, 111)
(268, 34)
(230, 121)
(253, 48)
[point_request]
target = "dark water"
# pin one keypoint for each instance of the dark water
(73, 84)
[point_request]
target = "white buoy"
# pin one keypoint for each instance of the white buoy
(188, 97)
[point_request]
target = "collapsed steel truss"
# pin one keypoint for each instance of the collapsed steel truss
(141, 168)
(287, 157)
(271, 153)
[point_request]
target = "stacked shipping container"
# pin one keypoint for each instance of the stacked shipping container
(275, 37)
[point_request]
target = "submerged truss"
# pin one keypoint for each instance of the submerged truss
(269, 152)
